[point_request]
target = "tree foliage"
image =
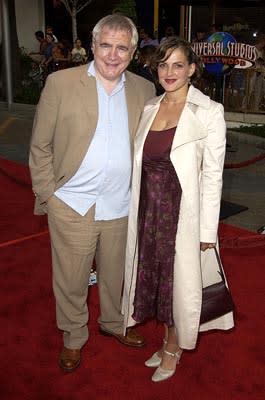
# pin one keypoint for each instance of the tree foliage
(127, 7)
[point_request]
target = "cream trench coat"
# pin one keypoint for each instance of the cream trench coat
(197, 153)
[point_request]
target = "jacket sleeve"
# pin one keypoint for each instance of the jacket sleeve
(212, 172)
(41, 146)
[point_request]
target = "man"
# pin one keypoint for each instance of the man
(39, 55)
(146, 39)
(80, 162)
(144, 63)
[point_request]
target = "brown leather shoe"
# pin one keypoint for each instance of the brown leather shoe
(132, 338)
(69, 359)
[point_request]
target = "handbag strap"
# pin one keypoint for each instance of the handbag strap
(221, 272)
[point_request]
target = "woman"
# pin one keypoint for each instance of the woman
(176, 193)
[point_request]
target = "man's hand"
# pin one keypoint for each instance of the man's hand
(205, 246)
(46, 201)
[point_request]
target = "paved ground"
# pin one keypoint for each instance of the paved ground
(244, 186)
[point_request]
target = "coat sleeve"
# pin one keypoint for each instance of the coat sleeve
(41, 146)
(212, 172)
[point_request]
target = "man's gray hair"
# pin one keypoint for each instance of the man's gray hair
(116, 22)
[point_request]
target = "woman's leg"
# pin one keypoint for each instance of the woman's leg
(168, 361)
(170, 358)
(165, 340)
(155, 359)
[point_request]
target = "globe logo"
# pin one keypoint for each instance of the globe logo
(219, 62)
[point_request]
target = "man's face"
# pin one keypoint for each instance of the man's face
(112, 53)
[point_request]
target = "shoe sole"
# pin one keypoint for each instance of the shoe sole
(155, 365)
(109, 334)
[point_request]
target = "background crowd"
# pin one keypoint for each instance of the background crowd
(245, 88)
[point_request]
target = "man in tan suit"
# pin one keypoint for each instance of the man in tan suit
(80, 163)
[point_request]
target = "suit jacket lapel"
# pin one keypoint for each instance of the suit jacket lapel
(88, 96)
(132, 106)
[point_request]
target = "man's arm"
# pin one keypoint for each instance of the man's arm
(41, 146)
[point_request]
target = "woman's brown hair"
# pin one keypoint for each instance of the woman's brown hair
(166, 48)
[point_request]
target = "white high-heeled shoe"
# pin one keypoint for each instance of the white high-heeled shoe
(153, 361)
(161, 374)
(156, 359)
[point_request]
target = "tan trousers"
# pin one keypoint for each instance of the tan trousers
(75, 241)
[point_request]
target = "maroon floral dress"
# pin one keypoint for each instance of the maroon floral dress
(157, 227)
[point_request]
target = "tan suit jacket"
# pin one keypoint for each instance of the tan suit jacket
(65, 122)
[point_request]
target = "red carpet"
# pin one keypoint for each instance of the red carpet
(225, 366)
(16, 203)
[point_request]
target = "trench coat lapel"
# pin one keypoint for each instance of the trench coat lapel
(189, 128)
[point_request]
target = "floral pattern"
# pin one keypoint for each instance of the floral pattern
(157, 226)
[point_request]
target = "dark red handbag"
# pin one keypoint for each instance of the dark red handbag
(216, 298)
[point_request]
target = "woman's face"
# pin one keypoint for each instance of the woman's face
(175, 71)
(49, 38)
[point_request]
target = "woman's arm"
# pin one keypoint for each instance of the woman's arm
(212, 175)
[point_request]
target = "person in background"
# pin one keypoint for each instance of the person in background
(80, 164)
(215, 28)
(39, 55)
(174, 214)
(47, 62)
(61, 56)
(146, 39)
(169, 32)
(256, 86)
(200, 35)
(49, 30)
(218, 79)
(144, 62)
(78, 53)
(88, 45)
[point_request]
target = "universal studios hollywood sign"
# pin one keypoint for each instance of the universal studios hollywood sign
(220, 53)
